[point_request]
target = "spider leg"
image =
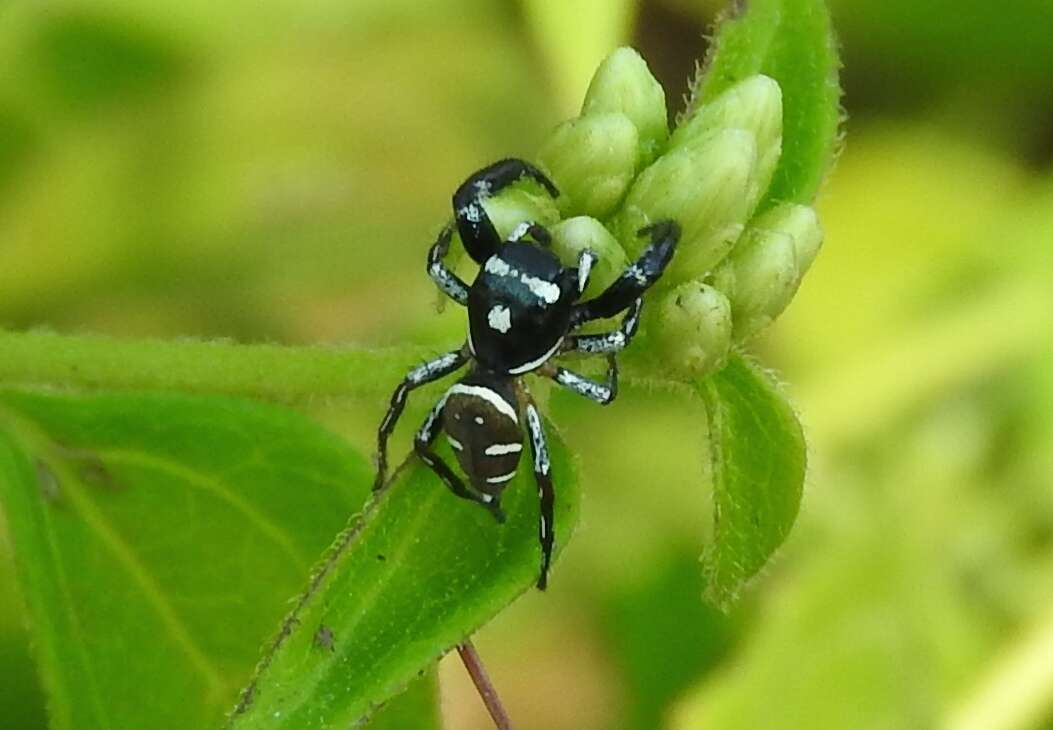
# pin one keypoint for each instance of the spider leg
(477, 231)
(546, 492)
(602, 393)
(538, 234)
(429, 430)
(448, 282)
(586, 259)
(608, 342)
(636, 279)
(420, 375)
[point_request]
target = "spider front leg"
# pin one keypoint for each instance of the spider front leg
(608, 342)
(422, 444)
(477, 231)
(636, 279)
(546, 492)
(420, 375)
(448, 282)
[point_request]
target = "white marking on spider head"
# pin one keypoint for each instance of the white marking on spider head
(496, 266)
(500, 318)
(544, 290)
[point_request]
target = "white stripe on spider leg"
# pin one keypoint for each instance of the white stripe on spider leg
(583, 386)
(537, 435)
(584, 269)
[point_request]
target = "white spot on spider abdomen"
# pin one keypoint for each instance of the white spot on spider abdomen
(500, 318)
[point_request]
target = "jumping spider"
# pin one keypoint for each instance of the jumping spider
(523, 309)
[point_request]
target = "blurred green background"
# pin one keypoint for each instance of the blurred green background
(275, 171)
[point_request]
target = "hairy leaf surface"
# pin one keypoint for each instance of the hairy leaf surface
(757, 462)
(413, 576)
(158, 539)
(792, 42)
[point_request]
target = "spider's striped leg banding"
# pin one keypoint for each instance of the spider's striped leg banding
(531, 232)
(447, 281)
(636, 279)
(546, 492)
(421, 375)
(608, 342)
(602, 393)
(429, 430)
(477, 231)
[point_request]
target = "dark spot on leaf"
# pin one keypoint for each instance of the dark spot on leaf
(381, 557)
(48, 482)
(89, 467)
(324, 637)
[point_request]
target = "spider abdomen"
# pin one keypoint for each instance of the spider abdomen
(482, 426)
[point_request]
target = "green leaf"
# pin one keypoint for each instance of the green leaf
(415, 709)
(757, 462)
(792, 42)
(412, 577)
(157, 540)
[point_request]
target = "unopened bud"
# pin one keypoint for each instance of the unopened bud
(520, 204)
(753, 105)
(592, 160)
(703, 188)
(764, 271)
(624, 84)
(574, 235)
(691, 326)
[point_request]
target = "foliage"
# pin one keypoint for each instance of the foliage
(164, 530)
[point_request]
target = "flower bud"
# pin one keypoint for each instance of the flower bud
(753, 105)
(704, 188)
(592, 160)
(519, 204)
(762, 274)
(691, 327)
(574, 235)
(624, 84)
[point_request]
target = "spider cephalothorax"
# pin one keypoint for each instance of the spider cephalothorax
(523, 310)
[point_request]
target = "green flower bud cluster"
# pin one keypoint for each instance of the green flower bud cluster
(622, 127)
(619, 170)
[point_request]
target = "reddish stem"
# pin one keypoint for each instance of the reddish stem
(474, 664)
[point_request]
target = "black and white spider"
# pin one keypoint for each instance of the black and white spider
(523, 309)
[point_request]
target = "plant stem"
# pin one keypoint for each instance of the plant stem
(474, 664)
(272, 372)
